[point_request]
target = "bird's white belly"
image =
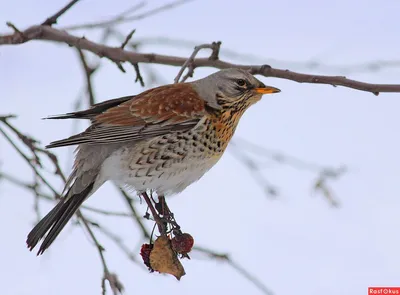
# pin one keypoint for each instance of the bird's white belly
(172, 180)
(165, 181)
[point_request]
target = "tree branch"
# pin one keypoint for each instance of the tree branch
(118, 55)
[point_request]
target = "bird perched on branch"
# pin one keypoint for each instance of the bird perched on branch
(163, 139)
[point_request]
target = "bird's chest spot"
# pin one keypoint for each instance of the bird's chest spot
(223, 127)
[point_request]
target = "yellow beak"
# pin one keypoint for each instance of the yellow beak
(267, 90)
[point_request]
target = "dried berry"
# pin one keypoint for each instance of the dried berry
(182, 243)
(145, 253)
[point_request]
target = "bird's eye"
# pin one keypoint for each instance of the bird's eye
(241, 82)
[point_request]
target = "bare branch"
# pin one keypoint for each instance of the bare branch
(119, 55)
(372, 66)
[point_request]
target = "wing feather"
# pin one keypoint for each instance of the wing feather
(155, 112)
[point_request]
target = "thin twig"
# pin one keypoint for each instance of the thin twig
(236, 266)
(128, 38)
(32, 145)
(118, 241)
(136, 216)
(33, 187)
(53, 19)
(189, 62)
(115, 284)
(139, 77)
(276, 156)
(25, 157)
(268, 188)
(88, 74)
(324, 173)
(123, 17)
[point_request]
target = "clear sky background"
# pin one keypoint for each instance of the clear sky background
(295, 244)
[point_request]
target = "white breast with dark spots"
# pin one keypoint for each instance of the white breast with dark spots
(167, 164)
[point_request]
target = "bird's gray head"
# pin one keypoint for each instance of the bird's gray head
(231, 87)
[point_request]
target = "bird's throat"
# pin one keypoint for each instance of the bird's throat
(224, 125)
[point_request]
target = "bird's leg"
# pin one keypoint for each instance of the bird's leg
(160, 223)
(167, 214)
(162, 207)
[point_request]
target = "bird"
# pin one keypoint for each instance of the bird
(163, 139)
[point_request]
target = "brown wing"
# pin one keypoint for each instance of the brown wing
(152, 113)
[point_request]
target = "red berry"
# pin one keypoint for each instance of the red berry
(182, 243)
(145, 253)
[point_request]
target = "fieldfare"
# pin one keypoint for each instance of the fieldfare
(163, 139)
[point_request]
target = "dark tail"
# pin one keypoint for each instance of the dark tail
(94, 110)
(55, 220)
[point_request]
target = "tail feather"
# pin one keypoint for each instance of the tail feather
(72, 140)
(52, 224)
(93, 110)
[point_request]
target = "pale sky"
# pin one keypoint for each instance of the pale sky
(296, 244)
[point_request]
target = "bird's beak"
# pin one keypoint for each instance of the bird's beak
(267, 90)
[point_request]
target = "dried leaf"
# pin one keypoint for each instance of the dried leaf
(164, 260)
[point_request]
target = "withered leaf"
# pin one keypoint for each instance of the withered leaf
(164, 260)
